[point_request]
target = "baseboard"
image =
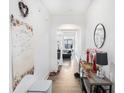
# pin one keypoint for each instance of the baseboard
(46, 76)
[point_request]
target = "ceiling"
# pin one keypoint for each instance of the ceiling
(66, 7)
(69, 27)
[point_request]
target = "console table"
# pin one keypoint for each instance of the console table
(89, 80)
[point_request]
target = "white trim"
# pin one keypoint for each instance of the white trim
(77, 58)
(69, 30)
(46, 76)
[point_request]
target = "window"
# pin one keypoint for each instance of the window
(68, 43)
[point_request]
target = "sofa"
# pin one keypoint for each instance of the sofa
(67, 54)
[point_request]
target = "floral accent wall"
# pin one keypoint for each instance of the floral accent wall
(21, 36)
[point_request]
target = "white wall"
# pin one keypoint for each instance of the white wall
(41, 40)
(57, 21)
(38, 54)
(102, 11)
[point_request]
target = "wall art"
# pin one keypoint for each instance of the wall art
(23, 8)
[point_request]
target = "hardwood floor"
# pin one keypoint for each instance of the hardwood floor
(65, 82)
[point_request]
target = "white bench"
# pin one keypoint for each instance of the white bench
(31, 84)
(41, 86)
(25, 84)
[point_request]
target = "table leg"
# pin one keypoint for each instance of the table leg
(110, 91)
(90, 88)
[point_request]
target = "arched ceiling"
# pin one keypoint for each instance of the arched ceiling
(69, 27)
(66, 7)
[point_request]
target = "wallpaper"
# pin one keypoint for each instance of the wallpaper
(21, 36)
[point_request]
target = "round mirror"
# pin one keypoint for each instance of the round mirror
(99, 35)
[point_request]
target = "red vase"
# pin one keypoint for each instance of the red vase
(88, 52)
(94, 64)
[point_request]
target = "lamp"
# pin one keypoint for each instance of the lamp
(101, 59)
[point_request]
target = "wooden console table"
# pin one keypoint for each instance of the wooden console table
(90, 80)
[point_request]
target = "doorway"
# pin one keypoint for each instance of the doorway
(68, 42)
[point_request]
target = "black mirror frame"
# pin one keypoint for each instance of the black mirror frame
(104, 35)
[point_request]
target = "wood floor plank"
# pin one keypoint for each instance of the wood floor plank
(65, 82)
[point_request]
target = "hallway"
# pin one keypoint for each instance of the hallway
(40, 30)
(65, 82)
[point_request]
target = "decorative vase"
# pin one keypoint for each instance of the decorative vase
(91, 58)
(88, 52)
(94, 64)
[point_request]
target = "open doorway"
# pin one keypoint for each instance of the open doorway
(68, 42)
